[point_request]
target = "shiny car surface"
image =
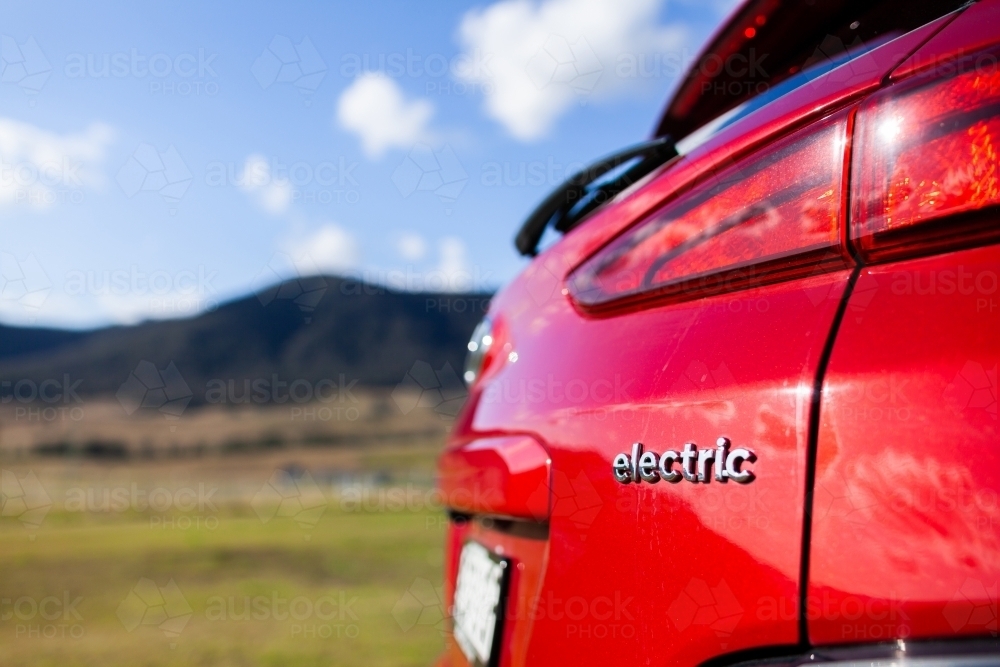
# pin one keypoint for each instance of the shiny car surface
(747, 410)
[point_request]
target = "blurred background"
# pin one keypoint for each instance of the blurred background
(243, 248)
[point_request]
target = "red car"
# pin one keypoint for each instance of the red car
(744, 409)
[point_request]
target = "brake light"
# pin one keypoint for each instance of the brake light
(778, 211)
(926, 149)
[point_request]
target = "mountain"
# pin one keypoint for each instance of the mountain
(306, 329)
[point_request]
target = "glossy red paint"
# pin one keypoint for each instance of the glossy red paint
(971, 31)
(906, 539)
(501, 476)
(704, 569)
(866, 387)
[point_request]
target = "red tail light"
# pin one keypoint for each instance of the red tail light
(926, 149)
(776, 212)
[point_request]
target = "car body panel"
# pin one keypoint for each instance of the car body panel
(504, 476)
(972, 30)
(588, 388)
(908, 459)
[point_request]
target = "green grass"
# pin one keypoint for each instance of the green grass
(367, 560)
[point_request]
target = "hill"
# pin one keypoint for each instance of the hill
(312, 329)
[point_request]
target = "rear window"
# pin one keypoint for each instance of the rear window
(770, 48)
(708, 130)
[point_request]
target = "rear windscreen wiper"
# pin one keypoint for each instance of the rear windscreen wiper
(586, 191)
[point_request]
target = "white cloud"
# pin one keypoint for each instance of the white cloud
(375, 109)
(39, 168)
(540, 58)
(331, 249)
(99, 298)
(453, 265)
(449, 270)
(270, 193)
(411, 246)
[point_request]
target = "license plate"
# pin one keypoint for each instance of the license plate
(480, 593)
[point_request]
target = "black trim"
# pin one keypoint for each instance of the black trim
(783, 656)
(458, 517)
(949, 233)
(757, 655)
(561, 206)
(813, 440)
(532, 530)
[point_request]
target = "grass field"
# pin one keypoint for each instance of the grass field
(292, 556)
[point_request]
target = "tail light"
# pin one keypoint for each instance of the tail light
(926, 149)
(777, 212)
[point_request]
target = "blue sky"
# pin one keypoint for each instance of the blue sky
(159, 158)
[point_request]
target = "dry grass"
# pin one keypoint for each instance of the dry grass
(104, 428)
(288, 523)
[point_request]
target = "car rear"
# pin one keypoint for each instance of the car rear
(747, 409)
